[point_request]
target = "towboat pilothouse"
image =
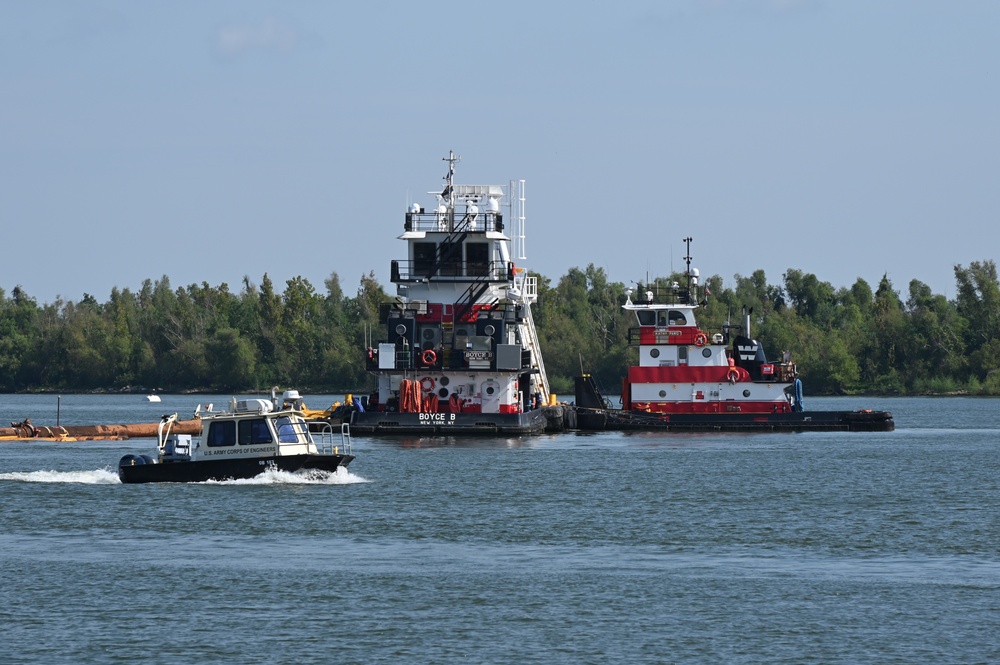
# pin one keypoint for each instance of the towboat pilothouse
(251, 437)
(689, 379)
(460, 353)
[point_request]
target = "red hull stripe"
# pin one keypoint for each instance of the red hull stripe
(669, 335)
(684, 374)
(712, 407)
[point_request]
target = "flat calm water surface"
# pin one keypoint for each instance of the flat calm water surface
(570, 548)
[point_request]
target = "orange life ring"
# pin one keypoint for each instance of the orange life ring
(427, 384)
(733, 375)
(700, 339)
(429, 357)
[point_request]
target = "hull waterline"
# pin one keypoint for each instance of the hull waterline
(517, 424)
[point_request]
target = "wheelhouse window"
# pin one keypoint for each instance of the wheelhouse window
(254, 431)
(221, 434)
(477, 258)
(424, 254)
(647, 317)
(677, 318)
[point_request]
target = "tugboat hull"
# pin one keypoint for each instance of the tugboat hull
(516, 424)
(144, 469)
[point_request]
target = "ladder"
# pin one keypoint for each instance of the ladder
(529, 293)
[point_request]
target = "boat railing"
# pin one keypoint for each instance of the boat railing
(660, 294)
(529, 288)
(325, 438)
(163, 430)
(447, 223)
(451, 271)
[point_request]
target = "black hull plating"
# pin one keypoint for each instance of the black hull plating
(201, 471)
(483, 424)
(801, 421)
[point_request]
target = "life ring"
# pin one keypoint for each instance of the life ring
(429, 357)
(733, 375)
(427, 384)
(700, 339)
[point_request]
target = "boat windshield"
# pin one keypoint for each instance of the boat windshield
(291, 429)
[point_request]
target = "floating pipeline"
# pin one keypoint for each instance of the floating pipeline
(26, 431)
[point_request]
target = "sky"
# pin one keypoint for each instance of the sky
(214, 141)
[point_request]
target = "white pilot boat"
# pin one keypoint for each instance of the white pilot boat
(251, 437)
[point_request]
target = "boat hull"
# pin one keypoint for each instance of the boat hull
(136, 469)
(484, 424)
(799, 421)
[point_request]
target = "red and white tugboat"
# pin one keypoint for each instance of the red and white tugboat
(690, 379)
(460, 352)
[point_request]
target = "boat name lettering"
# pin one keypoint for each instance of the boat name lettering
(478, 355)
(667, 331)
(429, 418)
(241, 450)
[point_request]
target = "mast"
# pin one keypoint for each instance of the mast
(692, 279)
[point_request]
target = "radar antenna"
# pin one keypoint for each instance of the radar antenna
(448, 192)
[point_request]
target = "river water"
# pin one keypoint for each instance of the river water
(570, 548)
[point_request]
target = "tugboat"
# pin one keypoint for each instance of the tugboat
(460, 354)
(689, 380)
(253, 436)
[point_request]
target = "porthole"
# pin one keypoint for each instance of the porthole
(746, 393)
(490, 390)
(444, 380)
(663, 393)
(654, 353)
(706, 352)
(443, 393)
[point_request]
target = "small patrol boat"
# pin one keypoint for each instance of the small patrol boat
(687, 379)
(251, 437)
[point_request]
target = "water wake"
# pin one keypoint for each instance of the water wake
(95, 477)
(270, 477)
(275, 477)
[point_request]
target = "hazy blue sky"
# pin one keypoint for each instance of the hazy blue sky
(210, 140)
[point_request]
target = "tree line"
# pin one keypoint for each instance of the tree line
(205, 338)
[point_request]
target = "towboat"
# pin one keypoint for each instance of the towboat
(253, 436)
(691, 379)
(458, 353)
